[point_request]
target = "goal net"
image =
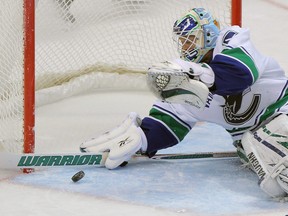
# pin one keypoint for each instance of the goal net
(82, 45)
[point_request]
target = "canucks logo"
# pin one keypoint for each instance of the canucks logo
(227, 37)
(231, 109)
(185, 26)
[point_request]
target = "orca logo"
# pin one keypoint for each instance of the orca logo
(227, 37)
(191, 54)
(233, 105)
(185, 26)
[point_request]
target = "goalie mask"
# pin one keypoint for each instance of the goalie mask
(195, 33)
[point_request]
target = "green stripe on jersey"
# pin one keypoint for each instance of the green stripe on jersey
(242, 56)
(273, 107)
(179, 129)
(238, 130)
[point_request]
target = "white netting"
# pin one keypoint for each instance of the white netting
(82, 45)
(83, 37)
(11, 74)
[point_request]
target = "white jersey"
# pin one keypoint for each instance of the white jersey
(250, 89)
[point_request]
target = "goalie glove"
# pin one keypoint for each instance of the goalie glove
(120, 143)
(170, 83)
(202, 72)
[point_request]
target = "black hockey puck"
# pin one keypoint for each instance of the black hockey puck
(78, 176)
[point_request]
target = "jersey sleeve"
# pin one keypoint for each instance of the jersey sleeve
(233, 64)
(163, 128)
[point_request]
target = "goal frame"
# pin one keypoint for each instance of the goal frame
(29, 75)
(29, 67)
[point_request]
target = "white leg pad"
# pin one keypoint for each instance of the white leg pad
(267, 152)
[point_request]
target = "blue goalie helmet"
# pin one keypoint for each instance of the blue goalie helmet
(195, 34)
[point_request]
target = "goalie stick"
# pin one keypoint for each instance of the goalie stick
(196, 155)
(23, 161)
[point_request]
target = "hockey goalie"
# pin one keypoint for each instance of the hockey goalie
(220, 77)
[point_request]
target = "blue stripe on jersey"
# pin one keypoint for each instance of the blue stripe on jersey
(158, 136)
(241, 54)
(232, 76)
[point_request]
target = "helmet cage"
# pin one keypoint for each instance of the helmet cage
(199, 24)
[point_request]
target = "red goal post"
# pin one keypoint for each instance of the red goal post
(61, 41)
(236, 12)
(29, 76)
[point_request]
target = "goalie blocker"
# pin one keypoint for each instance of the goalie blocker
(122, 142)
(267, 152)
